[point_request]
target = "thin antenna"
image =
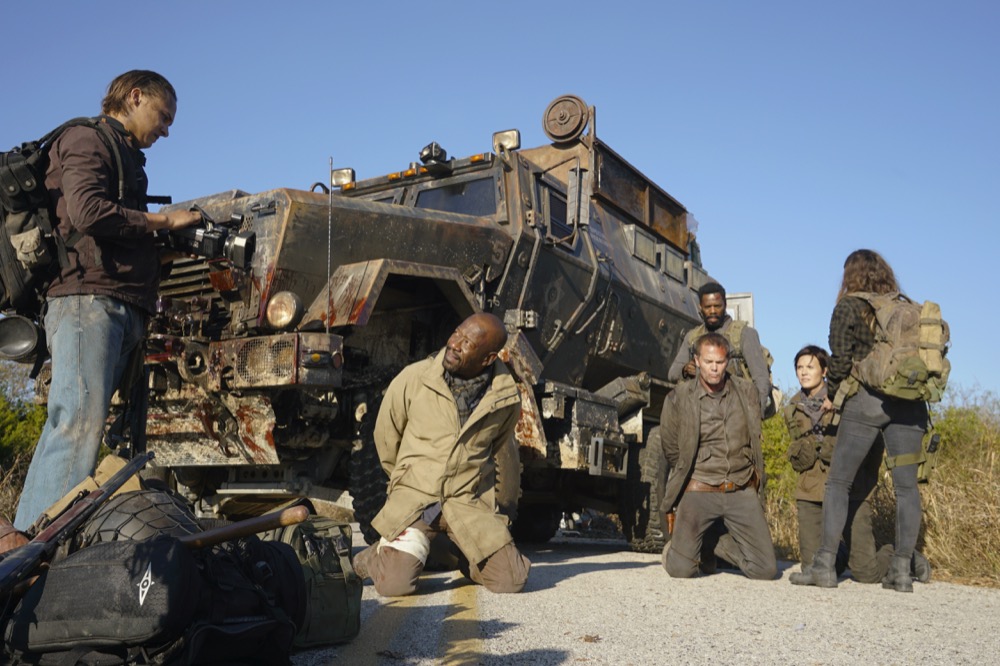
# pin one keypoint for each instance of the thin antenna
(329, 248)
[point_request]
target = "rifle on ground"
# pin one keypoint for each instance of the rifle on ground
(22, 563)
(265, 523)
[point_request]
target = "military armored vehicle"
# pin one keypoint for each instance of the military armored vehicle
(266, 374)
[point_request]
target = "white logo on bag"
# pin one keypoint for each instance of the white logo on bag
(145, 583)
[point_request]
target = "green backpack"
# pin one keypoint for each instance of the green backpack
(908, 360)
(333, 589)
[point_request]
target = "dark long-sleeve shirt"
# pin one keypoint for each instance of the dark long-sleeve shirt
(851, 339)
(116, 255)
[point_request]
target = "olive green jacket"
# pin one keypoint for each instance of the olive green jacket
(430, 458)
(680, 432)
(811, 455)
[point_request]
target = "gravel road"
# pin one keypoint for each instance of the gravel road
(593, 602)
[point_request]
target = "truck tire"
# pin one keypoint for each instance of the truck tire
(537, 523)
(641, 515)
(368, 482)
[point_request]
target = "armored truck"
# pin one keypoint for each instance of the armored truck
(267, 360)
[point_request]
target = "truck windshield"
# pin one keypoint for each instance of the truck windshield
(471, 197)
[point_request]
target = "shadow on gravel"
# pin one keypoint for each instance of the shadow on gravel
(552, 564)
(400, 633)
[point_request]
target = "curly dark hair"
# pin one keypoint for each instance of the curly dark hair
(866, 270)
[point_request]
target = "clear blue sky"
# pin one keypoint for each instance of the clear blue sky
(795, 132)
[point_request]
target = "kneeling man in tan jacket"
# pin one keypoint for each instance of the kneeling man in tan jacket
(441, 423)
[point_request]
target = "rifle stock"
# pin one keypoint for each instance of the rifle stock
(269, 521)
(24, 562)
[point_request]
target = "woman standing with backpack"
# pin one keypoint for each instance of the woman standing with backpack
(865, 415)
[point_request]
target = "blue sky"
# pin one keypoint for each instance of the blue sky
(795, 132)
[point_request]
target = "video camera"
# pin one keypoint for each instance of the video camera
(214, 240)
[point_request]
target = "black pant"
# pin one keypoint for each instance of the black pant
(902, 424)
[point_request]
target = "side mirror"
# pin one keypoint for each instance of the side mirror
(506, 141)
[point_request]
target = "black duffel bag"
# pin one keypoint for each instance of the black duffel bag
(157, 602)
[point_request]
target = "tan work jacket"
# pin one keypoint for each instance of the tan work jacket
(430, 458)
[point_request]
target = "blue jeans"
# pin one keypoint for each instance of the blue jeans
(902, 424)
(90, 339)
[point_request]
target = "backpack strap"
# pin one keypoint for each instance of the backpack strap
(692, 336)
(735, 336)
(107, 136)
(891, 462)
(848, 387)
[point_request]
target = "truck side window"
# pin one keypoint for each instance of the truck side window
(555, 211)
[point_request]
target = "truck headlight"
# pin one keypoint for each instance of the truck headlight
(284, 310)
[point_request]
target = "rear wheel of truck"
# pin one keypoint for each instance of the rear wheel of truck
(537, 523)
(641, 515)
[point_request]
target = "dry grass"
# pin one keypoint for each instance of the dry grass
(960, 534)
(11, 480)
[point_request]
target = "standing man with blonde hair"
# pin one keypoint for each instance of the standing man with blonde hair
(96, 308)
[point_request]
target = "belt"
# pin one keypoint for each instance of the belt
(725, 487)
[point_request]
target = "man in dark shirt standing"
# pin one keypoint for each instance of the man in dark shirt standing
(710, 431)
(97, 307)
(746, 355)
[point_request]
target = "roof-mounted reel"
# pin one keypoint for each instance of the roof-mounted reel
(566, 118)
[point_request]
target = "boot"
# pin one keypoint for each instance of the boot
(921, 567)
(663, 555)
(898, 577)
(820, 573)
(362, 561)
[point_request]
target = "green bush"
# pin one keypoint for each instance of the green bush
(961, 503)
(21, 423)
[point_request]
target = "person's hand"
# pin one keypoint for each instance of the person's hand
(827, 405)
(175, 219)
(690, 370)
(178, 219)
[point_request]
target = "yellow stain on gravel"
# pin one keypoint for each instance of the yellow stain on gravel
(461, 639)
(374, 642)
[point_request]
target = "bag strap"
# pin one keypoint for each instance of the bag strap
(343, 550)
(902, 460)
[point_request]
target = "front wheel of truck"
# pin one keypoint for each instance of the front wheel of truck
(368, 482)
(641, 515)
